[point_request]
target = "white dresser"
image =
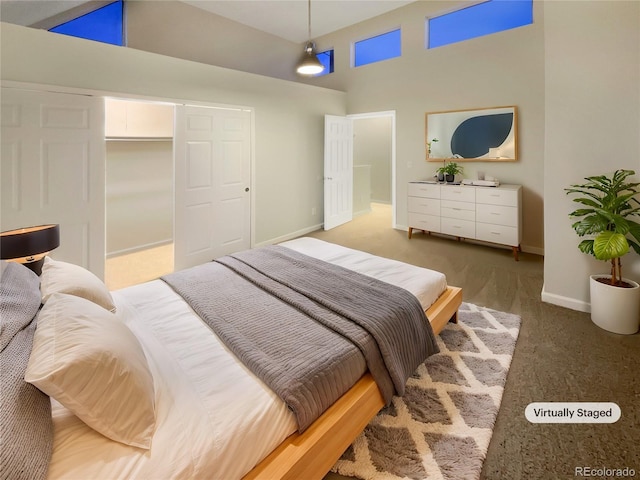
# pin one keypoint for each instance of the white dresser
(489, 214)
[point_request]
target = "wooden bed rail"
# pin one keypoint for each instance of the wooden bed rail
(311, 455)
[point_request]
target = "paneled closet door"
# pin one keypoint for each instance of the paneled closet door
(53, 170)
(212, 183)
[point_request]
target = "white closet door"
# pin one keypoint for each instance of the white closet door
(53, 170)
(212, 178)
(338, 171)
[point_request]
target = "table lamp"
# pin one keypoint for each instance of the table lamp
(29, 245)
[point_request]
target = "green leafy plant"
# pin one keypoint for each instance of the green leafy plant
(451, 168)
(433, 140)
(607, 218)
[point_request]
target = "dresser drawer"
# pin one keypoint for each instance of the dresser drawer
(457, 227)
(426, 190)
(497, 234)
(459, 193)
(429, 206)
(428, 223)
(497, 215)
(461, 210)
(497, 196)
(488, 214)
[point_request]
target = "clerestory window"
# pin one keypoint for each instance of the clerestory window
(378, 48)
(326, 59)
(102, 25)
(478, 20)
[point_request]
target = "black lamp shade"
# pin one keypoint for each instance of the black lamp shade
(25, 243)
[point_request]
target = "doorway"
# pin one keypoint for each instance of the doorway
(213, 160)
(374, 163)
(178, 186)
(371, 163)
(343, 178)
(139, 193)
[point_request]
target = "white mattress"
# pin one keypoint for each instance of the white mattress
(427, 285)
(215, 419)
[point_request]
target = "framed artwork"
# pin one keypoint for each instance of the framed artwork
(487, 135)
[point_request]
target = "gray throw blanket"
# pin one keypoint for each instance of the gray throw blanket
(26, 427)
(307, 328)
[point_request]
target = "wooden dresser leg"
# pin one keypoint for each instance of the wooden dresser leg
(410, 231)
(515, 253)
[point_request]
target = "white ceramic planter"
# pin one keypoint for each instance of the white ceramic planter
(615, 309)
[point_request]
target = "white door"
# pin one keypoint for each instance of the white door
(53, 164)
(338, 171)
(212, 182)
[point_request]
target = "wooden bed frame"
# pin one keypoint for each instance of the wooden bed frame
(311, 455)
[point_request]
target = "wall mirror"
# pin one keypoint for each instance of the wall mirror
(487, 135)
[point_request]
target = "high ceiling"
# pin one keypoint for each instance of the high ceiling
(285, 18)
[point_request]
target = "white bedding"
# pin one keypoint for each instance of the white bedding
(427, 285)
(215, 419)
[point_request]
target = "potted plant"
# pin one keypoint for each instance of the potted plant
(608, 216)
(449, 171)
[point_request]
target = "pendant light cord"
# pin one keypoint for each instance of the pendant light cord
(309, 21)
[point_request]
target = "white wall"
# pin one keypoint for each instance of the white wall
(183, 31)
(502, 69)
(372, 146)
(574, 75)
(592, 117)
(506, 68)
(289, 116)
(139, 191)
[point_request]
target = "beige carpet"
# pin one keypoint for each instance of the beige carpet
(560, 355)
(138, 267)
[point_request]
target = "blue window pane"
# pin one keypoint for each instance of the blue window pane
(478, 20)
(378, 48)
(102, 25)
(326, 59)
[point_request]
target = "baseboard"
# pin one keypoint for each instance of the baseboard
(139, 248)
(290, 236)
(565, 302)
(534, 250)
(362, 212)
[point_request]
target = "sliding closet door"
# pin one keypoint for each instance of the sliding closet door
(53, 164)
(338, 171)
(212, 178)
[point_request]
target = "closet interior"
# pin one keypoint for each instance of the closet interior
(139, 191)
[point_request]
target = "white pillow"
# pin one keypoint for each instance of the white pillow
(68, 278)
(88, 360)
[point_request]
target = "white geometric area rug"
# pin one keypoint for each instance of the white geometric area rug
(440, 429)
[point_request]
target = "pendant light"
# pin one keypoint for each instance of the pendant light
(309, 63)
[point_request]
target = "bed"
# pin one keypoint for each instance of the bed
(207, 405)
